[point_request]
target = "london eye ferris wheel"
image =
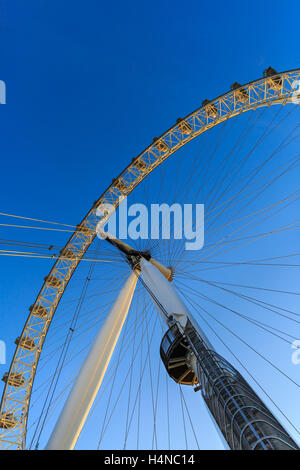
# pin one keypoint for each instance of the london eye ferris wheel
(123, 332)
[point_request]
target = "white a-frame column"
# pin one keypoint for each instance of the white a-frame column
(89, 379)
(166, 299)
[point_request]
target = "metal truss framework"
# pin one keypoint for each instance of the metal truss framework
(274, 89)
(244, 420)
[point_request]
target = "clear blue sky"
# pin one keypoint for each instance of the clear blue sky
(89, 84)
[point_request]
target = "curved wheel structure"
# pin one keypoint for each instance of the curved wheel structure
(270, 90)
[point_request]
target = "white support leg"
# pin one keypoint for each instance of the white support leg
(89, 379)
(167, 298)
